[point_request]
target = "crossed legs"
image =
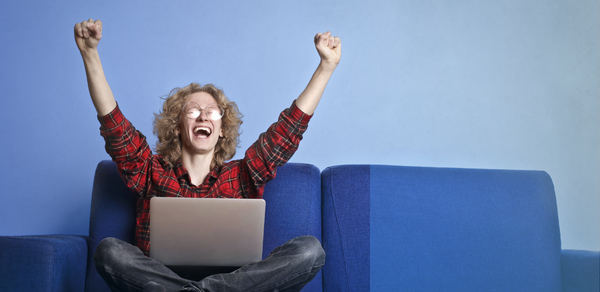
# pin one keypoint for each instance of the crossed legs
(287, 268)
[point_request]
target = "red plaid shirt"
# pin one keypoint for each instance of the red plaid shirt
(149, 175)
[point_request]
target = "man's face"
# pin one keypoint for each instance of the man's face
(199, 135)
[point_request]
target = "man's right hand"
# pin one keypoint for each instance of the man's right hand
(88, 34)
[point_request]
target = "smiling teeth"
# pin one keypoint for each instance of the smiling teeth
(197, 129)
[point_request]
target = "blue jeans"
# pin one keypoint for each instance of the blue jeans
(287, 268)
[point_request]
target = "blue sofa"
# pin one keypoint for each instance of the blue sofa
(384, 228)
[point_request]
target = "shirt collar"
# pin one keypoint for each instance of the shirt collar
(180, 172)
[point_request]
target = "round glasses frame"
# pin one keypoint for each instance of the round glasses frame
(213, 111)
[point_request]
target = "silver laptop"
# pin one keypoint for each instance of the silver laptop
(206, 232)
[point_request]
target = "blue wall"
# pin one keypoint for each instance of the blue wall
(481, 84)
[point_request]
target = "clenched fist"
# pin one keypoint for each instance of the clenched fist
(329, 48)
(88, 34)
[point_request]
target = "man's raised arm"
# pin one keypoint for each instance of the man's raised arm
(330, 51)
(87, 36)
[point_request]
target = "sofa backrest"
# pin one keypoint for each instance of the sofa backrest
(346, 223)
(293, 209)
(112, 214)
(442, 229)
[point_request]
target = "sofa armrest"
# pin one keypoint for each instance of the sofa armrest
(580, 270)
(42, 263)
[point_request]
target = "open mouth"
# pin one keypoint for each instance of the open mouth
(202, 132)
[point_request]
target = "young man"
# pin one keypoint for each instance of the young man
(198, 131)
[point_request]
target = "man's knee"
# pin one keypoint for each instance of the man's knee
(109, 253)
(312, 250)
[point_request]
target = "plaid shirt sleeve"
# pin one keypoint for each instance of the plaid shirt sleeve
(273, 148)
(128, 148)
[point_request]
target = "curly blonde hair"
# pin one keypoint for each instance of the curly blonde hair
(166, 124)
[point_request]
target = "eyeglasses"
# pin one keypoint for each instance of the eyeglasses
(213, 111)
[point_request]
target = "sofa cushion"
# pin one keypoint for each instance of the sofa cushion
(441, 229)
